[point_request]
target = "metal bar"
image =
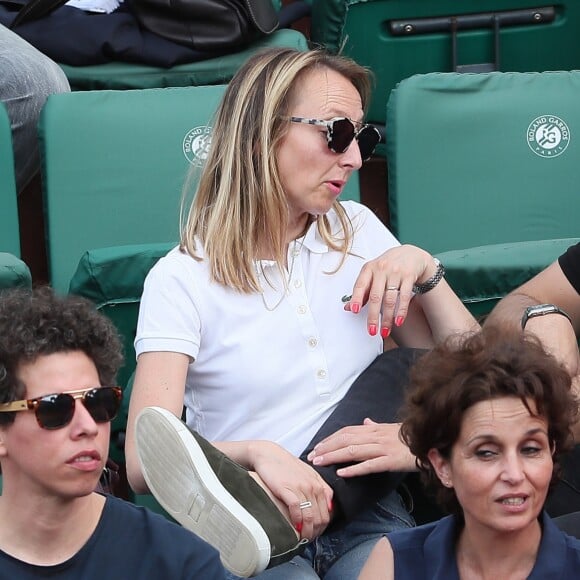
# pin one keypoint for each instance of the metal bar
(523, 17)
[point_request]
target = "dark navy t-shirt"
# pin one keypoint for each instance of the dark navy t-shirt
(129, 543)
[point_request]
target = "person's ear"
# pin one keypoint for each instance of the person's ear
(441, 467)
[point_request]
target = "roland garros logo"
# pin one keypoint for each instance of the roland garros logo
(548, 136)
(196, 144)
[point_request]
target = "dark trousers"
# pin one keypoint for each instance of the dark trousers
(377, 393)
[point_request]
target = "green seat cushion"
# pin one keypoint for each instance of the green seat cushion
(477, 159)
(113, 279)
(482, 275)
(13, 272)
(114, 166)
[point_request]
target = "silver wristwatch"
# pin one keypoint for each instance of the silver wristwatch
(542, 310)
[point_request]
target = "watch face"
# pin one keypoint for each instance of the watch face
(542, 309)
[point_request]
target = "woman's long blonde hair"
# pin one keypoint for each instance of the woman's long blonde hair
(240, 205)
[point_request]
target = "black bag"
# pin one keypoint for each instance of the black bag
(204, 25)
(208, 24)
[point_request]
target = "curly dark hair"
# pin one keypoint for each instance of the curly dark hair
(40, 322)
(468, 369)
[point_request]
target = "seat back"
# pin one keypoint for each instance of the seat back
(114, 164)
(9, 229)
(399, 38)
(477, 159)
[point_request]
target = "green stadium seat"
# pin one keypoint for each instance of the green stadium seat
(9, 229)
(482, 275)
(114, 164)
(399, 38)
(14, 273)
(478, 159)
(113, 279)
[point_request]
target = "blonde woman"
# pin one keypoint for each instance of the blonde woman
(278, 297)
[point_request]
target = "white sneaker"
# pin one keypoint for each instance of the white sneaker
(211, 495)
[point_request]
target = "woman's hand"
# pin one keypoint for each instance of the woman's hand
(370, 447)
(293, 482)
(386, 284)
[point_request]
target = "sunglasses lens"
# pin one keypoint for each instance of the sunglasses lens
(342, 135)
(103, 404)
(368, 139)
(55, 411)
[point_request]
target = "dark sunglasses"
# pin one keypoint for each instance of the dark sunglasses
(56, 411)
(341, 131)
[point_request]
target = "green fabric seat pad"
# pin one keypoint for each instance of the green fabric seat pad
(13, 272)
(466, 166)
(482, 275)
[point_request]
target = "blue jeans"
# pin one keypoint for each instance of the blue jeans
(339, 554)
(27, 77)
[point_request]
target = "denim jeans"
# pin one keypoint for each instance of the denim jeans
(340, 553)
(27, 77)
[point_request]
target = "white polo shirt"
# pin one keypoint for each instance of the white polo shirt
(266, 366)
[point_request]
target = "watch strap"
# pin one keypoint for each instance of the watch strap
(542, 310)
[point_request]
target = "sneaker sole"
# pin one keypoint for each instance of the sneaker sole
(181, 479)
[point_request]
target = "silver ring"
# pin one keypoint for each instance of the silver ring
(393, 288)
(305, 504)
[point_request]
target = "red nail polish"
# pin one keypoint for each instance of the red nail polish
(385, 332)
(399, 320)
(355, 307)
(330, 505)
(298, 527)
(372, 329)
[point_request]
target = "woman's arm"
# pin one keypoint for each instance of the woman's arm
(160, 382)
